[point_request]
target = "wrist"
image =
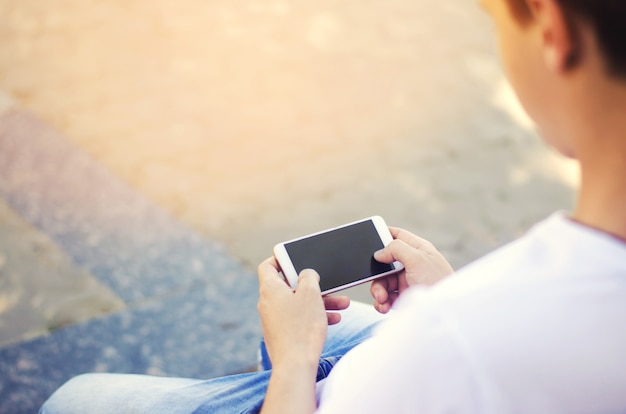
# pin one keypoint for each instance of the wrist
(296, 365)
(291, 388)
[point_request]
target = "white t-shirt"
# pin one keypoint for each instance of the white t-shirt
(538, 326)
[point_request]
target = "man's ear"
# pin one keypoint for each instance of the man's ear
(561, 49)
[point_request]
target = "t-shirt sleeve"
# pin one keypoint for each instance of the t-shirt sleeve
(415, 363)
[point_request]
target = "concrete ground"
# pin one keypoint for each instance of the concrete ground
(254, 122)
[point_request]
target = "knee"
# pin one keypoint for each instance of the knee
(72, 395)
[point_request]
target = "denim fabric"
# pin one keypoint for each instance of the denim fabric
(243, 393)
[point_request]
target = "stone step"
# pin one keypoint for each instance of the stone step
(200, 333)
(188, 307)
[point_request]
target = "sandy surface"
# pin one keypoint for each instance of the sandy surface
(255, 122)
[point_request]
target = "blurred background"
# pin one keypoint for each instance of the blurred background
(253, 122)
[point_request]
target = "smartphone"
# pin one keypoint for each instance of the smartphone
(343, 256)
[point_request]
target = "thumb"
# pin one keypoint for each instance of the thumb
(309, 279)
(397, 250)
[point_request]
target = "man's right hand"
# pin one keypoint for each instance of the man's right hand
(423, 264)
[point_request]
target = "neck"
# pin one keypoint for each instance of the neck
(602, 203)
(602, 154)
(594, 108)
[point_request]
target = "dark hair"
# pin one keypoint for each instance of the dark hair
(608, 19)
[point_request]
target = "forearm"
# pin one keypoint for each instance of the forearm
(291, 389)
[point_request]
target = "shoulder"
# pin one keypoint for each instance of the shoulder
(553, 252)
(534, 287)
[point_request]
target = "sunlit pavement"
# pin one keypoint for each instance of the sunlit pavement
(144, 143)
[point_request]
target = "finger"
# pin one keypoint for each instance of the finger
(336, 302)
(268, 272)
(382, 307)
(272, 262)
(410, 238)
(388, 284)
(397, 251)
(333, 318)
(392, 283)
(268, 266)
(386, 306)
(270, 281)
(382, 283)
(378, 290)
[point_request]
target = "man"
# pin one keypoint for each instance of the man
(537, 326)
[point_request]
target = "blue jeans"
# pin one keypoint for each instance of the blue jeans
(243, 393)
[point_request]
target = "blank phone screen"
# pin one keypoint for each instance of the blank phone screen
(341, 256)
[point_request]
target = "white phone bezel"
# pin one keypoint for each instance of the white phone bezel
(289, 271)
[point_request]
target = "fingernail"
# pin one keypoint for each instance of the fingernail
(378, 252)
